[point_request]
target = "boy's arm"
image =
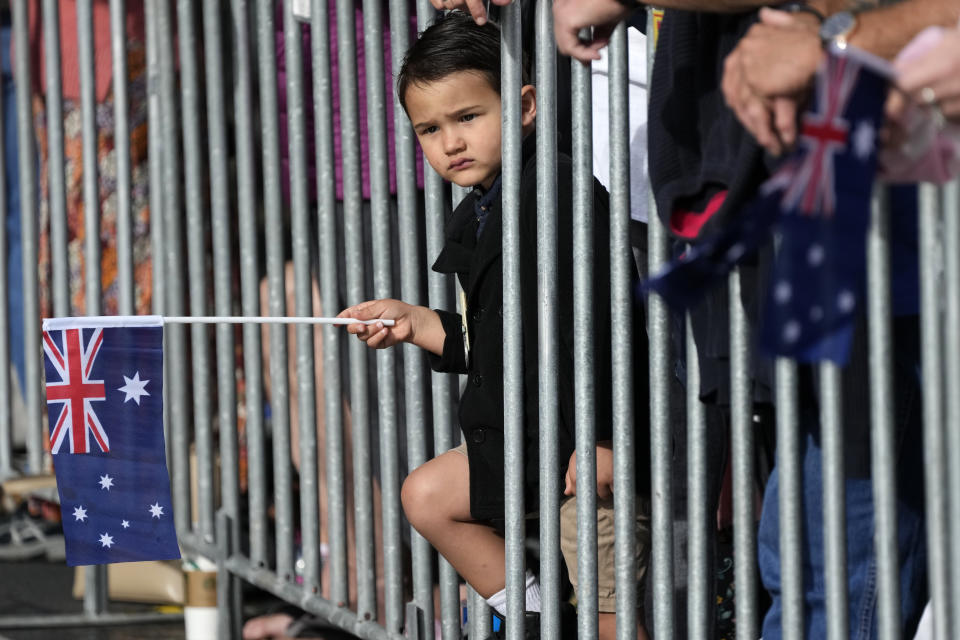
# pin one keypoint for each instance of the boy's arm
(414, 324)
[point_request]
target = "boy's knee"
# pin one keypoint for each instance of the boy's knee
(414, 494)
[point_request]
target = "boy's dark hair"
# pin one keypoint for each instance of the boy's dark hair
(453, 43)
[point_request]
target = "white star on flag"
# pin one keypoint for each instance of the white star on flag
(125, 524)
(134, 388)
(106, 482)
(863, 139)
(106, 540)
(156, 510)
(79, 513)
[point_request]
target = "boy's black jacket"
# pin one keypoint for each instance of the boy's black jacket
(479, 267)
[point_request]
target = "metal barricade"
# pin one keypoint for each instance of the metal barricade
(212, 95)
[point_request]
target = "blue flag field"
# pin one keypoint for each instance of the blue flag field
(104, 379)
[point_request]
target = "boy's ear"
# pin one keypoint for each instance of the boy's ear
(528, 105)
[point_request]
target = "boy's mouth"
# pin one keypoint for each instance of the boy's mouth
(463, 163)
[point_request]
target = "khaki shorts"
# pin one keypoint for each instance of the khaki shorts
(606, 576)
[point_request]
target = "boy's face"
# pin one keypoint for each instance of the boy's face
(457, 120)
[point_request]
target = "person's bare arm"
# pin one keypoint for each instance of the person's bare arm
(886, 30)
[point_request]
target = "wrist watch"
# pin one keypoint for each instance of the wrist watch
(838, 28)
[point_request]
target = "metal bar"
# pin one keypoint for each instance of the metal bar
(742, 452)
(329, 299)
(951, 235)
(834, 501)
(882, 440)
(353, 231)
(547, 303)
(380, 223)
(513, 423)
(69, 620)
(334, 613)
(196, 263)
(698, 517)
(6, 391)
(249, 281)
(414, 359)
(276, 288)
(174, 339)
(228, 611)
(790, 470)
(935, 473)
(303, 292)
(59, 263)
(155, 150)
(91, 180)
(218, 150)
(583, 356)
(478, 614)
(661, 441)
(121, 141)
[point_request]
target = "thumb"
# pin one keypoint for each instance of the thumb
(775, 18)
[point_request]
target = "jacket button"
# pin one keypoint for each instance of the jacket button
(477, 313)
(477, 380)
(478, 436)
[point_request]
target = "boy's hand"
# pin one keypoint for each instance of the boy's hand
(476, 8)
(604, 472)
(414, 324)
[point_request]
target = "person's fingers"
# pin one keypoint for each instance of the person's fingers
(760, 124)
(950, 108)
(570, 484)
(437, 4)
(785, 120)
(478, 10)
(776, 18)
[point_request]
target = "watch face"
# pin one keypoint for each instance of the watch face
(838, 24)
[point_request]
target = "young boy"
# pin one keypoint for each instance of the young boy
(449, 86)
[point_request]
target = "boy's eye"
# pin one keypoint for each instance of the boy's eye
(467, 117)
(428, 130)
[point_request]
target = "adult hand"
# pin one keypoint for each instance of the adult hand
(604, 472)
(570, 16)
(768, 74)
(477, 8)
(934, 76)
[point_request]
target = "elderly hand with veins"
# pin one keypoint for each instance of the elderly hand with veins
(571, 16)
(477, 8)
(768, 75)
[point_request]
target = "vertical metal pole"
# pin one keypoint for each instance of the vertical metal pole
(699, 574)
(834, 501)
(280, 395)
(174, 339)
(547, 302)
(196, 263)
(661, 445)
(510, 83)
(882, 440)
(951, 211)
(250, 282)
(333, 391)
(353, 230)
(307, 396)
(218, 148)
(789, 470)
(622, 340)
(91, 180)
(742, 452)
(380, 222)
(935, 473)
(414, 360)
(156, 151)
(59, 263)
(121, 141)
(28, 237)
(6, 425)
(583, 343)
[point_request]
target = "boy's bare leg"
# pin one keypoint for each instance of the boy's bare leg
(436, 499)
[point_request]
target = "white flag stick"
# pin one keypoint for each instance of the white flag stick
(270, 320)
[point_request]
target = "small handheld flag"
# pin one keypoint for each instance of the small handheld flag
(105, 404)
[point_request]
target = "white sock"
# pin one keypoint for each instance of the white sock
(499, 600)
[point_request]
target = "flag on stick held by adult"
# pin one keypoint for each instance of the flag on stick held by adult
(105, 404)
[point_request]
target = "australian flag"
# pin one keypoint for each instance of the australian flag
(105, 404)
(818, 201)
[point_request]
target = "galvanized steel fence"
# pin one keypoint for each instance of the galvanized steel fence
(216, 194)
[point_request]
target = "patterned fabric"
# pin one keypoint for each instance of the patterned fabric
(107, 178)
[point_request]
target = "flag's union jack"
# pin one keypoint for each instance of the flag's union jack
(75, 391)
(824, 133)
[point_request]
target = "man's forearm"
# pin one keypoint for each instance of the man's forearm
(887, 30)
(714, 6)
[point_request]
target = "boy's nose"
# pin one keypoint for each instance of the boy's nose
(453, 143)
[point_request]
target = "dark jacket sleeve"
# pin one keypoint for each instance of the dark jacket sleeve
(453, 359)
